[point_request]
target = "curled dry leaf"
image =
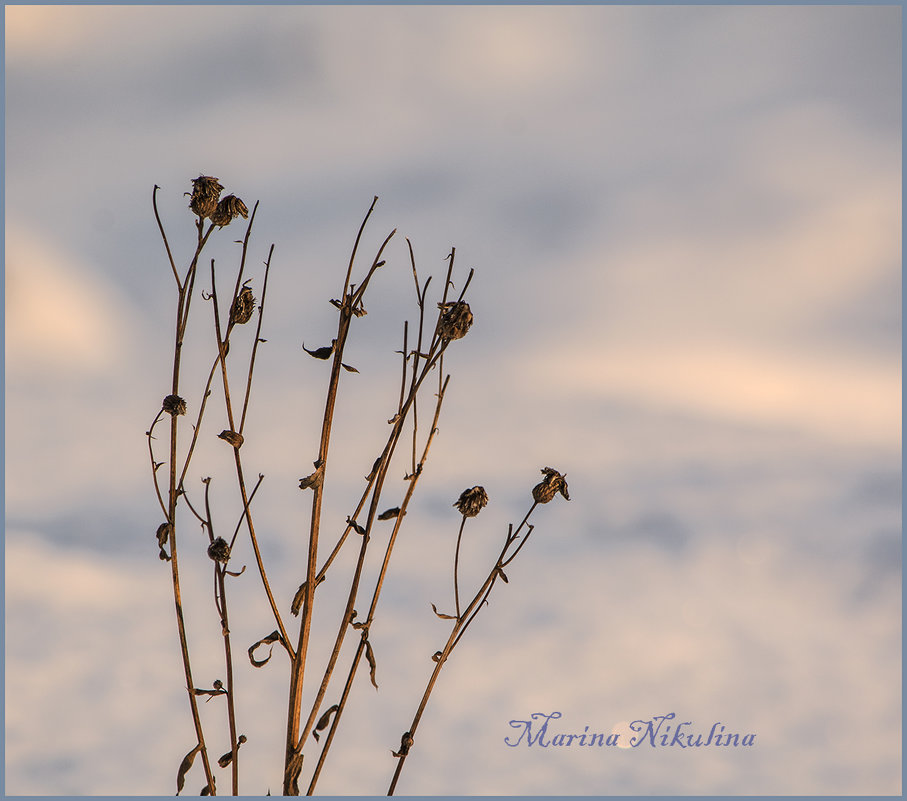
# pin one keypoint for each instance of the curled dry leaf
(273, 637)
(216, 691)
(389, 514)
(227, 758)
(184, 768)
(312, 480)
(321, 353)
(355, 526)
(372, 665)
(300, 596)
(442, 615)
(324, 720)
(163, 535)
(348, 368)
(374, 471)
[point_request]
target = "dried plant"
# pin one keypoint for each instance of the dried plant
(422, 371)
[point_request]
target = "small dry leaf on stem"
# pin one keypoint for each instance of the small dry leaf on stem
(227, 758)
(300, 596)
(273, 637)
(313, 480)
(472, 501)
(321, 353)
(389, 514)
(184, 768)
(163, 535)
(549, 486)
(324, 720)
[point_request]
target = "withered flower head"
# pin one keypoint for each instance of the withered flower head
(549, 486)
(233, 437)
(228, 208)
(472, 501)
(456, 318)
(243, 306)
(174, 405)
(205, 192)
(219, 550)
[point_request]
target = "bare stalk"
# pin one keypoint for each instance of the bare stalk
(363, 643)
(347, 303)
(183, 303)
(461, 624)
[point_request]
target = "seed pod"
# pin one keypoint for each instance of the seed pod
(228, 208)
(456, 319)
(205, 192)
(219, 550)
(472, 501)
(174, 405)
(243, 306)
(549, 486)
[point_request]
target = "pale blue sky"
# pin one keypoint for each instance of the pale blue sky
(685, 225)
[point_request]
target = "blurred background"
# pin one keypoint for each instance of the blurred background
(685, 229)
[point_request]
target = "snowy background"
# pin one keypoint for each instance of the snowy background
(685, 226)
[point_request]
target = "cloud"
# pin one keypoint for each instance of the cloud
(63, 318)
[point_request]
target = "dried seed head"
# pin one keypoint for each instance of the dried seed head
(205, 192)
(243, 306)
(232, 437)
(174, 405)
(456, 318)
(219, 550)
(228, 208)
(472, 501)
(549, 486)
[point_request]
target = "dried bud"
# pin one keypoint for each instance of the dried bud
(472, 501)
(243, 306)
(174, 405)
(456, 318)
(232, 437)
(218, 550)
(228, 208)
(205, 192)
(549, 486)
(406, 742)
